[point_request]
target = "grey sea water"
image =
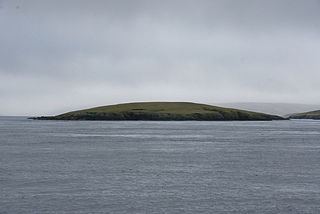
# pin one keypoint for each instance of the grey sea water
(159, 167)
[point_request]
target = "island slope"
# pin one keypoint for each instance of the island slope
(162, 111)
(315, 115)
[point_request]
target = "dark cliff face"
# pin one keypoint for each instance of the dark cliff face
(162, 111)
(157, 117)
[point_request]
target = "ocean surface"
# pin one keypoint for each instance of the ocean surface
(159, 167)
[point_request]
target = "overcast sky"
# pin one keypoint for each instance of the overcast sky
(57, 56)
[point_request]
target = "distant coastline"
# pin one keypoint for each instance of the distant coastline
(314, 115)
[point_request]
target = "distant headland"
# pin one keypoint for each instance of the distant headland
(162, 111)
(315, 115)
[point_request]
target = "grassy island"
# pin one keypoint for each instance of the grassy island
(162, 111)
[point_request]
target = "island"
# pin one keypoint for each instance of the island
(162, 111)
(315, 115)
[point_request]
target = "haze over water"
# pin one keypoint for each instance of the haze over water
(159, 167)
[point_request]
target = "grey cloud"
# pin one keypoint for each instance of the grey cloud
(56, 56)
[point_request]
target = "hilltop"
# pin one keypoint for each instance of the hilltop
(161, 111)
(307, 115)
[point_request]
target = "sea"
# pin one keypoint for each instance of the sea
(159, 167)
